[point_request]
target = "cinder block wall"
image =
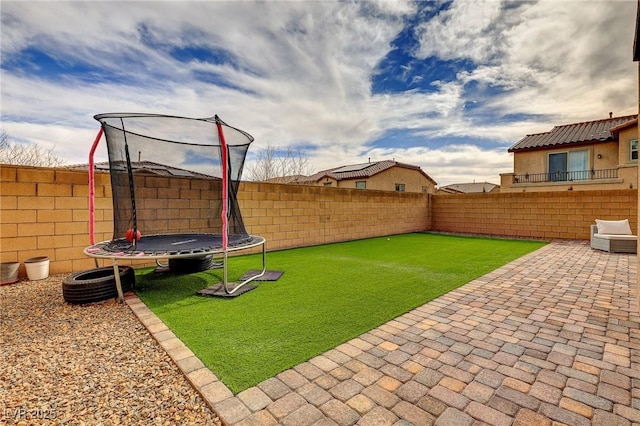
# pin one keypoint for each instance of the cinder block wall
(545, 215)
(173, 205)
(44, 212)
(293, 215)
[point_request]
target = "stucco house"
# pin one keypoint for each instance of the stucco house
(469, 188)
(145, 167)
(385, 175)
(599, 154)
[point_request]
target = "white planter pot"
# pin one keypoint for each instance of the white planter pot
(9, 272)
(37, 268)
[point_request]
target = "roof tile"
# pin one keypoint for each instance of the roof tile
(588, 131)
(364, 170)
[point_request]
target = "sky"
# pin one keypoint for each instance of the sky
(445, 85)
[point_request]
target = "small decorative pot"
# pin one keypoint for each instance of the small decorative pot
(9, 272)
(37, 268)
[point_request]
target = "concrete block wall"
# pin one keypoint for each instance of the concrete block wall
(45, 212)
(544, 215)
(175, 204)
(294, 215)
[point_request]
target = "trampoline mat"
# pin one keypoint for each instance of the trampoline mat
(217, 290)
(175, 244)
(268, 275)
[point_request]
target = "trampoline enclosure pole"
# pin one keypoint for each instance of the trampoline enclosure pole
(92, 188)
(225, 201)
(131, 186)
(225, 185)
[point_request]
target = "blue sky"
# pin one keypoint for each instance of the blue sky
(446, 85)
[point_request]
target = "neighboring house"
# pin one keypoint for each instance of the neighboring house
(385, 175)
(600, 154)
(469, 188)
(287, 179)
(147, 167)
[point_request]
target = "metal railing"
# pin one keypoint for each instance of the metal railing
(566, 176)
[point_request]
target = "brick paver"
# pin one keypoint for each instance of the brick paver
(553, 337)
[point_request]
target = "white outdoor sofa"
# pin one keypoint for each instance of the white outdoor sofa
(614, 236)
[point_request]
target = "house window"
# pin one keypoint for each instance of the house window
(399, 187)
(425, 189)
(572, 165)
(327, 184)
(633, 149)
(361, 184)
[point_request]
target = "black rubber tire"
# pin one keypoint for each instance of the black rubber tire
(190, 265)
(96, 285)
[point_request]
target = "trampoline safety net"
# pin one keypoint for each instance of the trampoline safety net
(167, 182)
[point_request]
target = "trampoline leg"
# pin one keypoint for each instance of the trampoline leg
(264, 267)
(236, 288)
(224, 273)
(116, 274)
(264, 264)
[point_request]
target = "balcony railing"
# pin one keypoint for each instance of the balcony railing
(566, 176)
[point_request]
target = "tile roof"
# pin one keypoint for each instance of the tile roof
(469, 188)
(146, 167)
(588, 131)
(287, 179)
(362, 170)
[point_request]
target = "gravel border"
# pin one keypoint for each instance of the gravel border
(86, 364)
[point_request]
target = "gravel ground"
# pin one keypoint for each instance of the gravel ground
(85, 365)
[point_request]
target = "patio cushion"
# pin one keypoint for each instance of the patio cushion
(614, 227)
(615, 237)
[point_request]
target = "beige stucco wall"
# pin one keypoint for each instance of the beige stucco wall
(529, 162)
(327, 181)
(537, 161)
(386, 180)
(611, 157)
(625, 138)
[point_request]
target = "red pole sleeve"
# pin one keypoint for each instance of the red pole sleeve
(225, 186)
(92, 188)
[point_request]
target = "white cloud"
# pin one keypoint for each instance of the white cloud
(466, 30)
(304, 72)
(303, 65)
(570, 60)
(453, 163)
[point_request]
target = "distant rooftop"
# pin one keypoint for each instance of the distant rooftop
(361, 170)
(576, 133)
(469, 188)
(287, 179)
(146, 167)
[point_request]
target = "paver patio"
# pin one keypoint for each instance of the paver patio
(553, 337)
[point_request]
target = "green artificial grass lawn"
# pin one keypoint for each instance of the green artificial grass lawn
(328, 294)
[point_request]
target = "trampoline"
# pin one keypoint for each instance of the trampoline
(174, 183)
